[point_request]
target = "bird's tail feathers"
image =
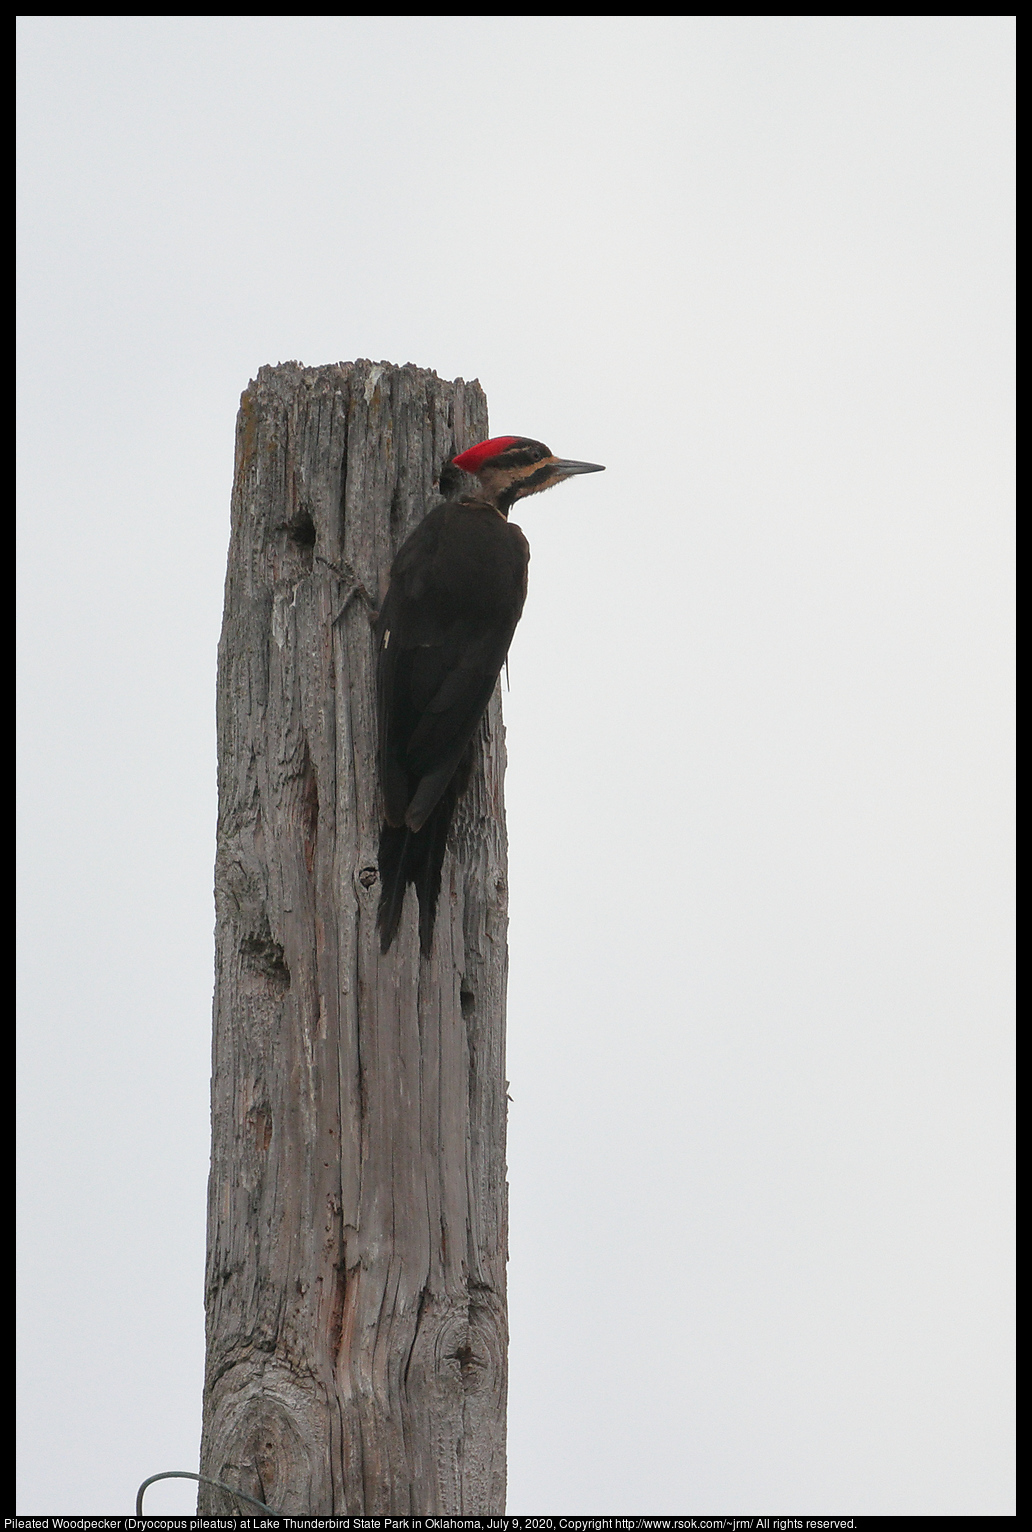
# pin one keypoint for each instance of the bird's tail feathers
(393, 881)
(417, 857)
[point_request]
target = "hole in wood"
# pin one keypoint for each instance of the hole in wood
(261, 955)
(301, 529)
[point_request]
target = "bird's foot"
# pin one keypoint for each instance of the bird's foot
(355, 587)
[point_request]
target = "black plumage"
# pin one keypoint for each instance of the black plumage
(457, 588)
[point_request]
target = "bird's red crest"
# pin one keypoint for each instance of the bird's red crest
(474, 457)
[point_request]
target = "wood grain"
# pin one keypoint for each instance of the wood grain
(356, 1312)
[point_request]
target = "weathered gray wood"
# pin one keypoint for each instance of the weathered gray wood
(356, 1320)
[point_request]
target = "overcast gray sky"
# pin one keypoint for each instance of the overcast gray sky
(758, 726)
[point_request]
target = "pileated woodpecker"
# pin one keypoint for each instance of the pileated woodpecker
(456, 592)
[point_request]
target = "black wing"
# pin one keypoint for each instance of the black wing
(455, 597)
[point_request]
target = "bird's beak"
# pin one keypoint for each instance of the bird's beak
(566, 468)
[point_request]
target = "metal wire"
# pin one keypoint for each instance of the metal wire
(176, 1473)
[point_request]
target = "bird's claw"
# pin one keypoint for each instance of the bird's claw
(344, 572)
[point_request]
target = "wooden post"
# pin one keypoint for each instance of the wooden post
(356, 1318)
